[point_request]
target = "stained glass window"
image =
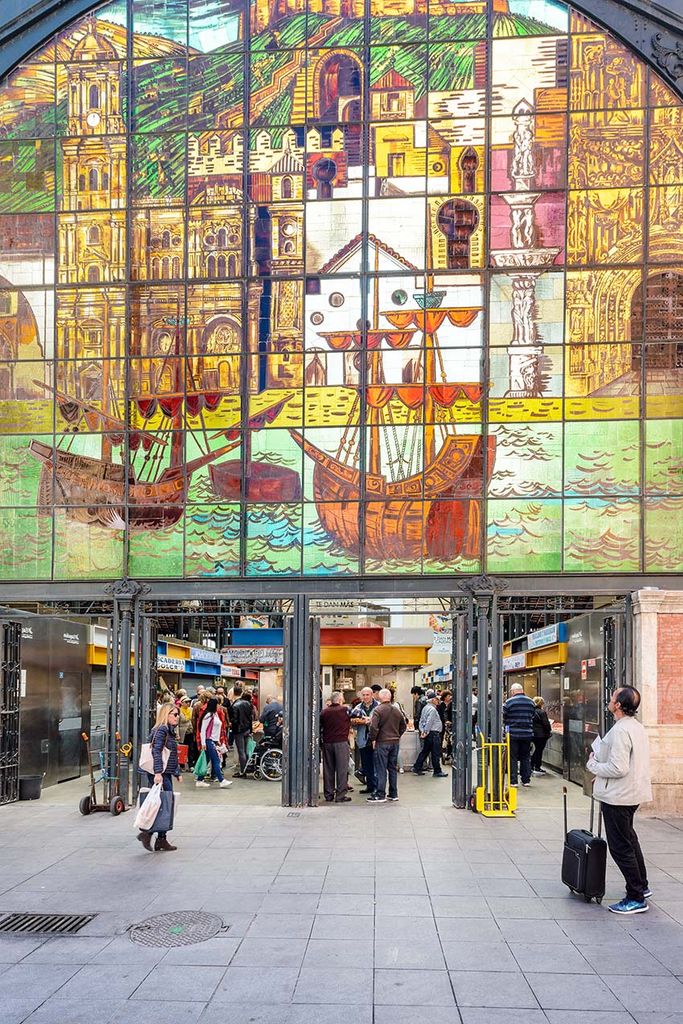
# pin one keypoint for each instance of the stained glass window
(310, 287)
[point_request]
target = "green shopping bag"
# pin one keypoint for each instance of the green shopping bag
(251, 746)
(202, 766)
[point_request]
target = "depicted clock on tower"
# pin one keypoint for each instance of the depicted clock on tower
(93, 119)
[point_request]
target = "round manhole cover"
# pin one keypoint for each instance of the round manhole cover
(178, 929)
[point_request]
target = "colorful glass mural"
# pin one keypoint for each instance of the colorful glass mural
(339, 287)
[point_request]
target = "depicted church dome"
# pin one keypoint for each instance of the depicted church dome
(94, 46)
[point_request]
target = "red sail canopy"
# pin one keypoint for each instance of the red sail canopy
(378, 396)
(412, 395)
(171, 406)
(212, 400)
(147, 407)
(430, 320)
(446, 394)
(341, 341)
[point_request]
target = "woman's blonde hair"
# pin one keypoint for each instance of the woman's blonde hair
(163, 713)
(539, 702)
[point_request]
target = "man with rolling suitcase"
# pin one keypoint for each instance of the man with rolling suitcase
(620, 763)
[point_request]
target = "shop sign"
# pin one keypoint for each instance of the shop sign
(543, 637)
(230, 672)
(253, 655)
(202, 654)
(166, 664)
(514, 661)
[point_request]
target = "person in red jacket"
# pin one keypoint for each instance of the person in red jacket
(212, 733)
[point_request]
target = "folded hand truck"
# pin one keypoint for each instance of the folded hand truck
(109, 774)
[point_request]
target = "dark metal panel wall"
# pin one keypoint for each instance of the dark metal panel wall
(56, 706)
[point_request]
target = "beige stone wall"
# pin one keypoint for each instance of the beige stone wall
(658, 674)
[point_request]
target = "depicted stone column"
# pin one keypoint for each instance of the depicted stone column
(525, 259)
(657, 634)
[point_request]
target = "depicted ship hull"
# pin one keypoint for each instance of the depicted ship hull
(98, 491)
(262, 482)
(436, 515)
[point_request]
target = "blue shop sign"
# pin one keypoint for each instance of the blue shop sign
(557, 633)
(205, 655)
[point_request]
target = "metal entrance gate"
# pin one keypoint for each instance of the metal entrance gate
(483, 616)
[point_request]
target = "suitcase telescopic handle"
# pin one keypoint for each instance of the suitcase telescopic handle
(564, 802)
(590, 827)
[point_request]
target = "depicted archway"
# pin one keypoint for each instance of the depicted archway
(657, 318)
(339, 88)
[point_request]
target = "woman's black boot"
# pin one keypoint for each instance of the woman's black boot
(146, 839)
(162, 843)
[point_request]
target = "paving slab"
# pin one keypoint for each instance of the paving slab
(416, 988)
(379, 915)
(488, 989)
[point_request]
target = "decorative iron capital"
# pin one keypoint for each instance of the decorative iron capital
(126, 591)
(482, 584)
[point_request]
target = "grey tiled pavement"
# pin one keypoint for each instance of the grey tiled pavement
(370, 915)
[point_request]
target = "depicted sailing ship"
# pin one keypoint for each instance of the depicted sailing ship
(137, 493)
(428, 504)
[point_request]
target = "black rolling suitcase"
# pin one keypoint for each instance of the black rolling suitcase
(584, 859)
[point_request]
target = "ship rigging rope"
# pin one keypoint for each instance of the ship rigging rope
(439, 356)
(346, 442)
(201, 417)
(396, 464)
(152, 459)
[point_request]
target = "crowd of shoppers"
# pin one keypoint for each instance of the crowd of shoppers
(219, 723)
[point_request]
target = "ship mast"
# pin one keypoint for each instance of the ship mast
(177, 435)
(430, 361)
(106, 384)
(375, 454)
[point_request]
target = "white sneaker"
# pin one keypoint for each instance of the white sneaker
(401, 771)
(202, 785)
(224, 784)
(537, 773)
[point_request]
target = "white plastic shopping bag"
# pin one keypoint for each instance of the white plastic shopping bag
(148, 810)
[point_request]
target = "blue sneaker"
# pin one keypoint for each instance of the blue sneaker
(628, 907)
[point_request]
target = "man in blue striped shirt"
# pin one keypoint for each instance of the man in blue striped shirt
(518, 714)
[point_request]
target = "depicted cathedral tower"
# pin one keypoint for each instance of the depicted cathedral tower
(91, 232)
(285, 363)
(94, 150)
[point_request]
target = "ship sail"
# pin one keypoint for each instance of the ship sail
(138, 493)
(422, 478)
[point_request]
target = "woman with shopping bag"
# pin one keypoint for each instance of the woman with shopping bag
(211, 738)
(163, 753)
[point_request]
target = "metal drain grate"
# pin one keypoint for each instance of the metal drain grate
(44, 924)
(181, 928)
(294, 814)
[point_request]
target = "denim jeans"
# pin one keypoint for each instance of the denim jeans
(367, 760)
(215, 760)
(386, 764)
(241, 744)
(430, 747)
(520, 752)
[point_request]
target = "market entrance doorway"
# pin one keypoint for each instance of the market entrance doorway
(568, 651)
